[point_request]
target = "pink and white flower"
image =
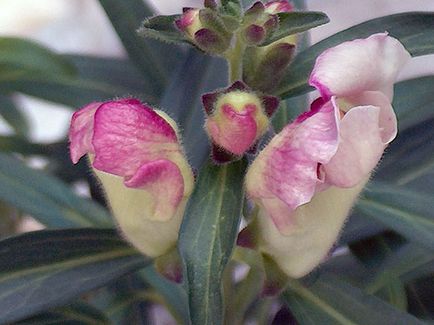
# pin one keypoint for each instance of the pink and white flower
(135, 152)
(307, 178)
(237, 117)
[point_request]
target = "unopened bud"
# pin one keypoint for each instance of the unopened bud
(237, 117)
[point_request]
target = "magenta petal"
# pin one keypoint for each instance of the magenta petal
(237, 133)
(163, 180)
(361, 147)
(360, 65)
(81, 131)
(126, 135)
(287, 169)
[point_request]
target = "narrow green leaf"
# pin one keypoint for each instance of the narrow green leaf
(46, 198)
(29, 56)
(394, 293)
(331, 301)
(20, 145)
(13, 116)
(408, 263)
(413, 101)
(174, 295)
(71, 91)
(78, 313)
(117, 73)
(126, 17)
(207, 237)
(231, 7)
(46, 269)
(413, 29)
(408, 212)
(162, 28)
(409, 156)
(296, 22)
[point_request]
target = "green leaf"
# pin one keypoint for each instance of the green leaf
(20, 145)
(394, 293)
(408, 263)
(71, 91)
(126, 17)
(174, 296)
(29, 56)
(331, 301)
(46, 198)
(410, 156)
(207, 237)
(74, 314)
(231, 7)
(291, 23)
(413, 101)
(413, 29)
(13, 116)
(116, 73)
(162, 28)
(408, 212)
(46, 269)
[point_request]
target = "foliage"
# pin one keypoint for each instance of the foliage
(77, 272)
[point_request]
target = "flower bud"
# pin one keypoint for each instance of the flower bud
(261, 20)
(205, 29)
(276, 7)
(135, 153)
(237, 117)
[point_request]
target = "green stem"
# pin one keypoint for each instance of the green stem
(235, 59)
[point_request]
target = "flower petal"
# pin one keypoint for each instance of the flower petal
(162, 179)
(360, 65)
(81, 131)
(235, 132)
(361, 147)
(388, 123)
(287, 169)
(315, 230)
(131, 208)
(126, 135)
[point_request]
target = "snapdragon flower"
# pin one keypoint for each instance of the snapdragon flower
(135, 152)
(308, 177)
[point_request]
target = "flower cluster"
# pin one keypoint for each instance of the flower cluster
(303, 182)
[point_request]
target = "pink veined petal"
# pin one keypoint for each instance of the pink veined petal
(361, 147)
(128, 134)
(287, 169)
(81, 131)
(360, 65)
(163, 180)
(236, 133)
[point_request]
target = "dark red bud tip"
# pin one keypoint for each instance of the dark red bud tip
(272, 23)
(254, 34)
(237, 85)
(271, 289)
(212, 4)
(208, 101)
(245, 239)
(173, 274)
(220, 156)
(271, 104)
(185, 9)
(256, 9)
